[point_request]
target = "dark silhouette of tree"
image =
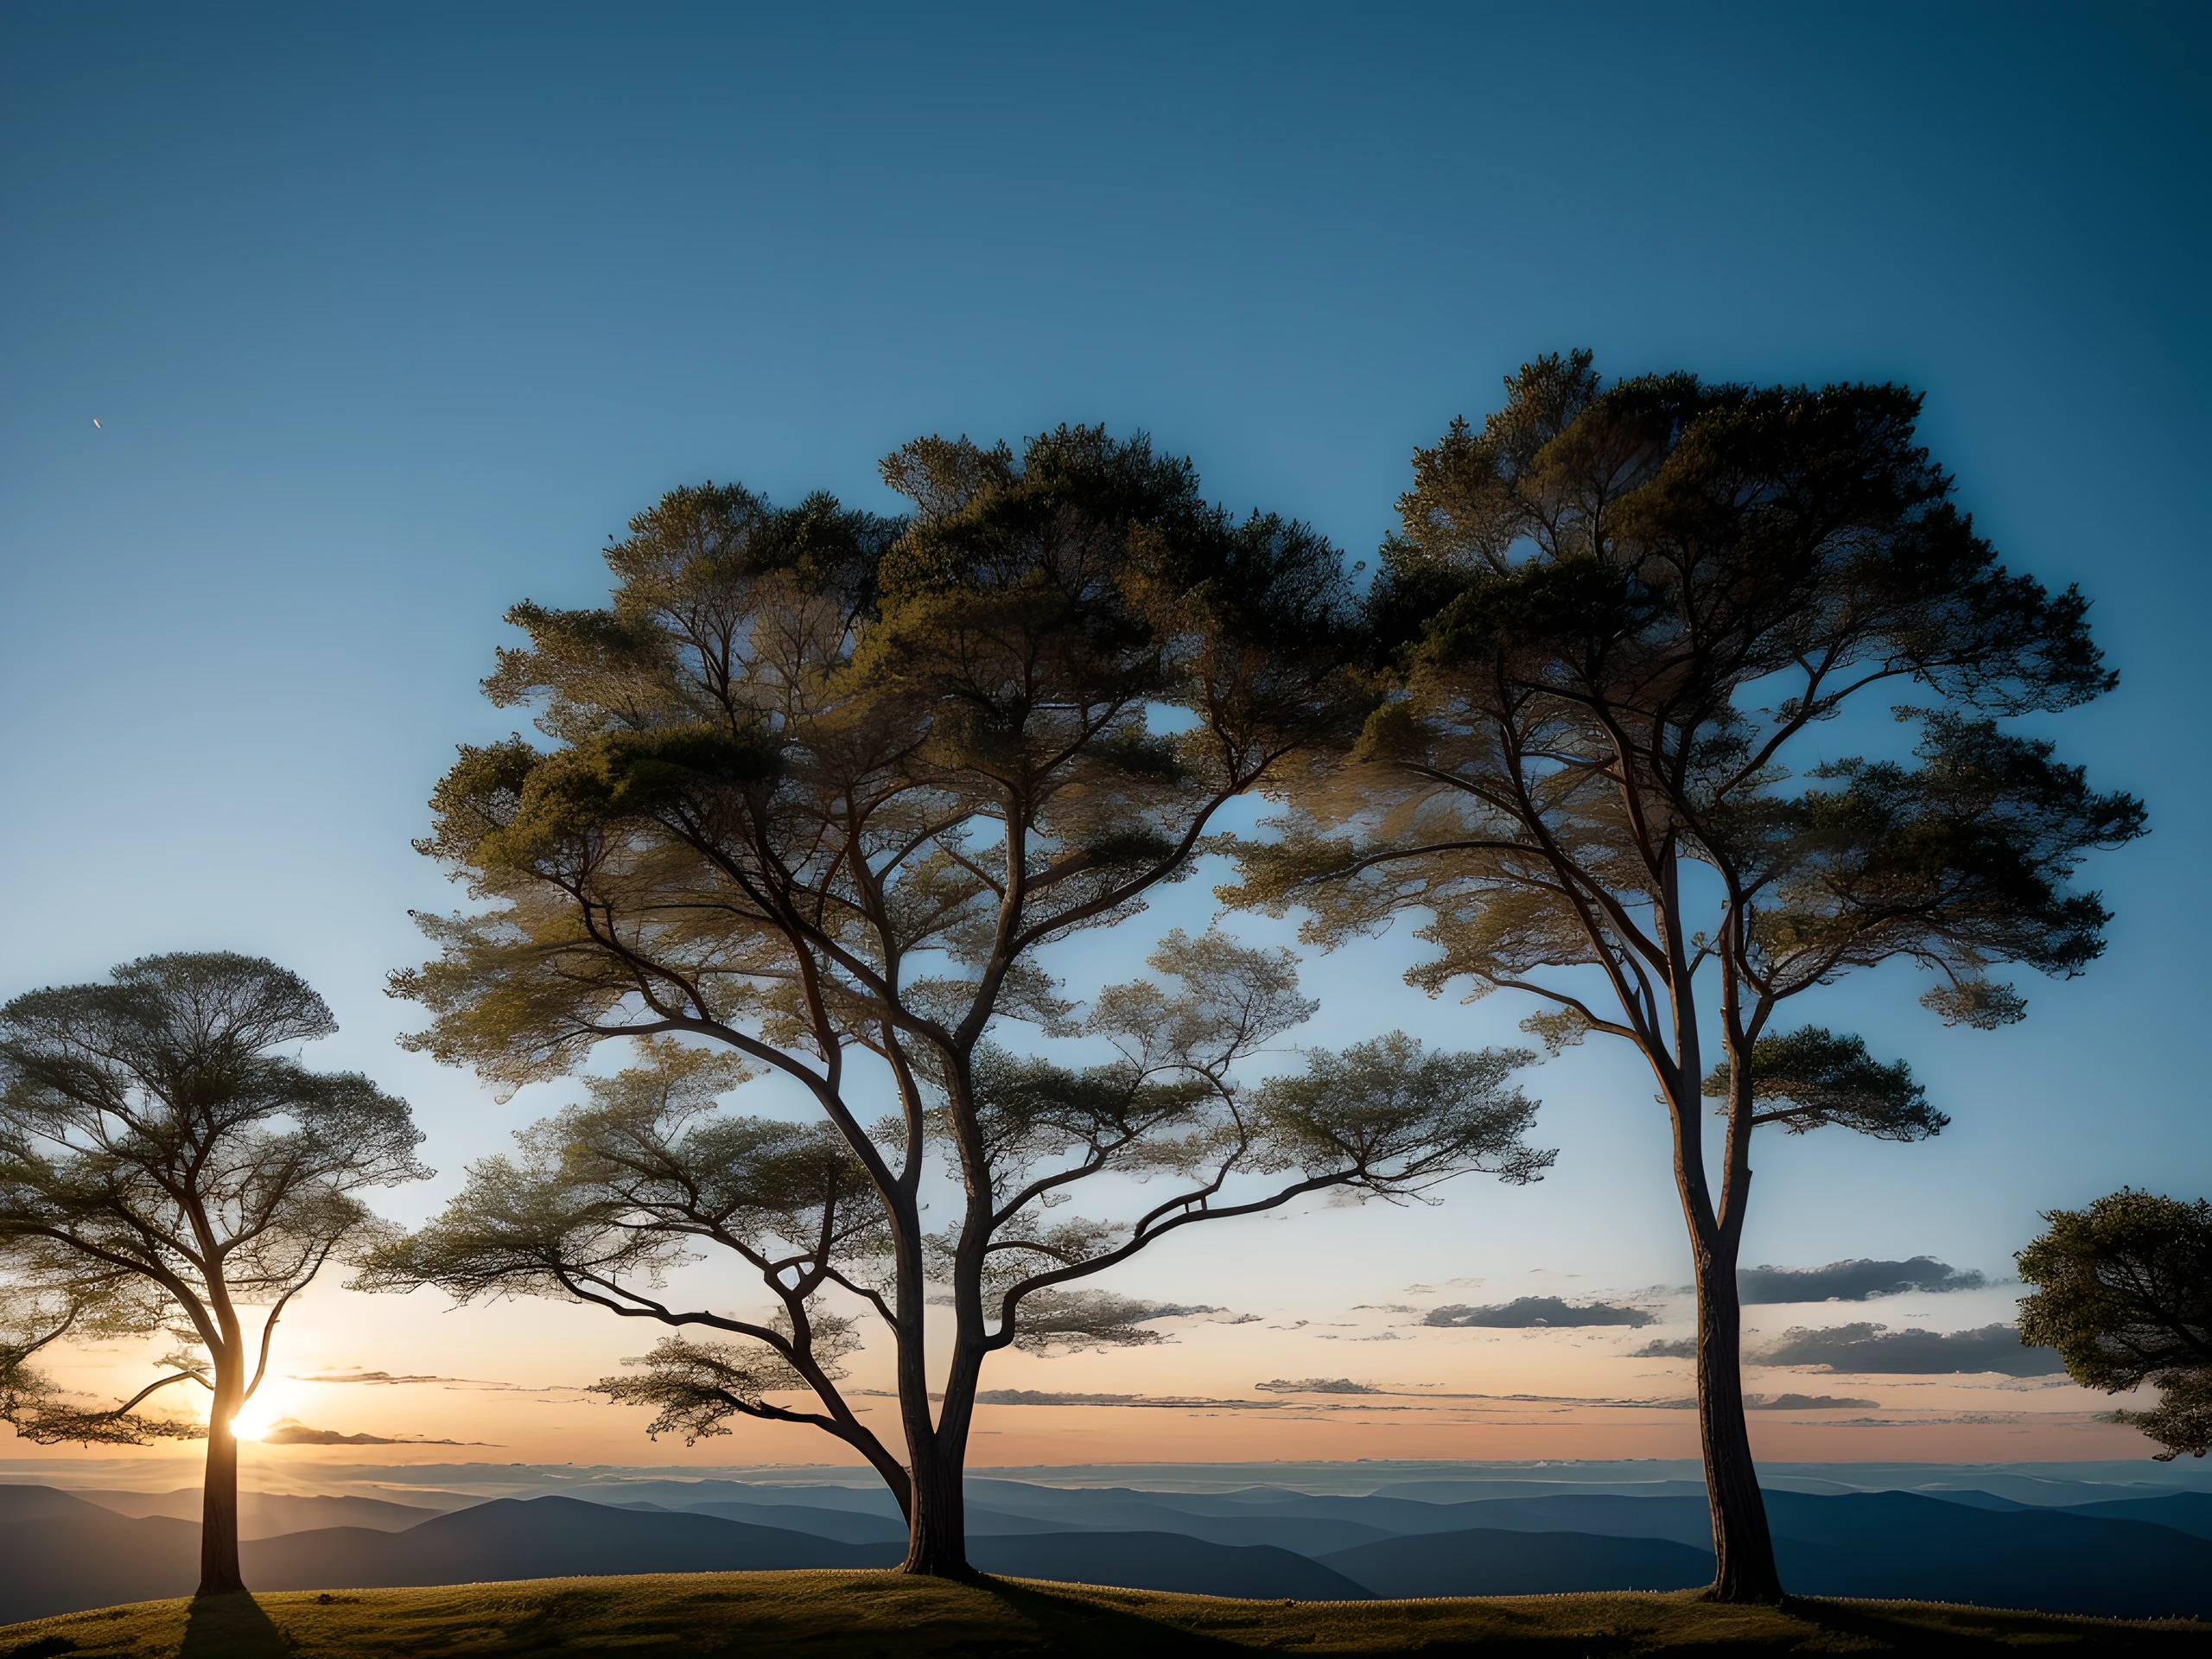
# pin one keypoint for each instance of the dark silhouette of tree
(2124, 1291)
(1612, 625)
(162, 1170)
(822, 788)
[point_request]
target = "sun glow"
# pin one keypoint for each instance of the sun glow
(264, 1412)
(254, 1422)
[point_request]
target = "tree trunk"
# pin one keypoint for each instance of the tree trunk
(937, 1534)
(1742, 1548)
(937, 1514)
(218, 1499)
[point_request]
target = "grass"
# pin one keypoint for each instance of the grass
(848, 1615)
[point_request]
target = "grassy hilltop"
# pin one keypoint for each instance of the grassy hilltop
(836, 1615)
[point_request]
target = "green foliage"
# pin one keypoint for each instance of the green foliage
(1808, 1079)
(2182, 1420)
(2124, 1291)
(1053, 1321)
(697, 1387)
(1389, 1117)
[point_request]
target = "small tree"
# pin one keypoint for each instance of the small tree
(2124, 1291)
(162, 1169)
(823, 788)
(1611, 622)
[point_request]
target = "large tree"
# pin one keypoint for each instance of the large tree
(1614, 627)
(821, 789)
(164, 1169)
(2124, 1291)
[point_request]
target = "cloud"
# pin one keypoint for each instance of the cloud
(1044, 1397)
(290, 1433)
(1048, 1397)
(387, 1379)
(1665, 1348)
(1876, 1349)
(1527, 1313)
(1315, 1385)
(1855, 1281)
(1810, 1402)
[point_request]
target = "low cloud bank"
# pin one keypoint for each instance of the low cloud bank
(290, 1433)
(1856, 1281)
(1878, 1350)
(1315, 1385)
(1528, 1313)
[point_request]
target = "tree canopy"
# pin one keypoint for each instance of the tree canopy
(2124, 1291)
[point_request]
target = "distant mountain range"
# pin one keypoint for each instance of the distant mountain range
(2133, 1557)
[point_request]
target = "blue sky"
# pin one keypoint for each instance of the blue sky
(391, 315)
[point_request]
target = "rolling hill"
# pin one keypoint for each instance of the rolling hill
(2116, 1557)
(60, 1561)
(1500, 1563)
(882, 1615)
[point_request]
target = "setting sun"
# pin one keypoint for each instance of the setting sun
(260, 1415)
(252, 1423)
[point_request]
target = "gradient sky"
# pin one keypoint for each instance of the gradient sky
(390, 317)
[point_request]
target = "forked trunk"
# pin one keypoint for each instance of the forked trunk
(1743, 1548)
(937, 1512)
(218, 1504)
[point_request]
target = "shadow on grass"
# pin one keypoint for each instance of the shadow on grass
(1996, 1631)
(1072, 1625)
(230, 1627)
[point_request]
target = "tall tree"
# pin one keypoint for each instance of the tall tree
(1612, 626)
(2124, 1291)
(822, 788)
(162, 1169)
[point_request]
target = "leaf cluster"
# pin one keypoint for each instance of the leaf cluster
(2124, 1293)
(1809, 1078)
(696, 1388)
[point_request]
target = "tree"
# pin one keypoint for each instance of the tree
(1611, 623)
(2124, 1291)
(823, 787)
(162, 1170)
